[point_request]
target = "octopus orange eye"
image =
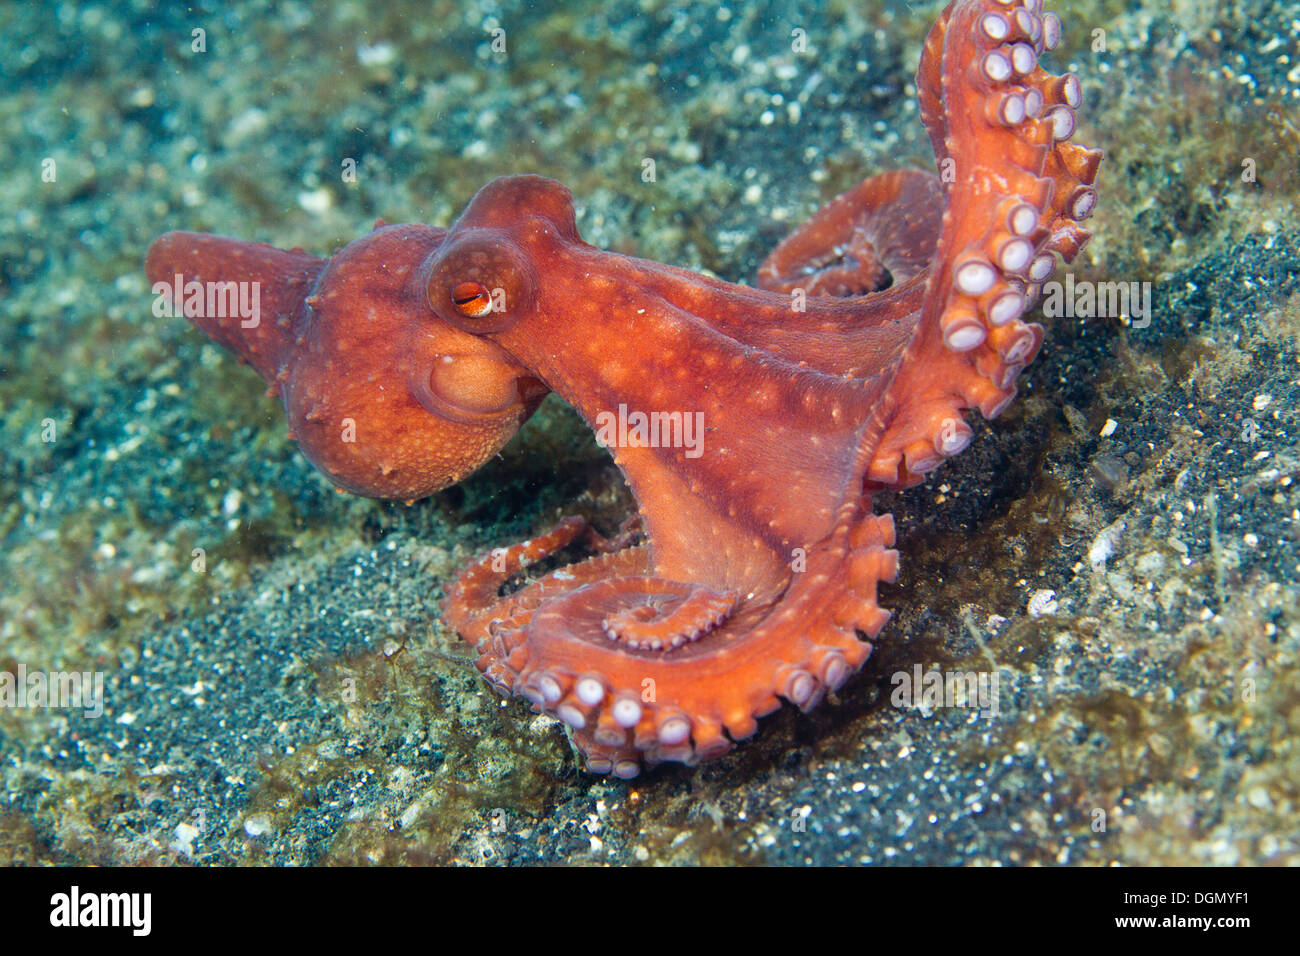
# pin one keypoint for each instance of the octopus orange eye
(472, 299)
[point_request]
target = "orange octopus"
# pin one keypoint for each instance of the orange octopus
(753, 426)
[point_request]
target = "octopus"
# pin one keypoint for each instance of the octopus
(753, 426)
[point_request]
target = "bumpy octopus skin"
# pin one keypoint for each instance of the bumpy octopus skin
(749, 574)
(757, 579)
(387, 404)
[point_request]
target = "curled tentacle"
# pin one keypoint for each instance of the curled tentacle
(476, 588)
(880, 232)
(628, 706)
(661, 614)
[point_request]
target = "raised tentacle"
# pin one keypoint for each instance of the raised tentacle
(1017, 195)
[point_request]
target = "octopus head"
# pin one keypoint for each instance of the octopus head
(418, 402)
(385, 399)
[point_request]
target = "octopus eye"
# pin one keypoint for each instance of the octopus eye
(472, 299)
(480, 282)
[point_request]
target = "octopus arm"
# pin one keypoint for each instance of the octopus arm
(1018, 196)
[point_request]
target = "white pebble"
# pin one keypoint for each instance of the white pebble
(259, 824)
(1041, 602)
